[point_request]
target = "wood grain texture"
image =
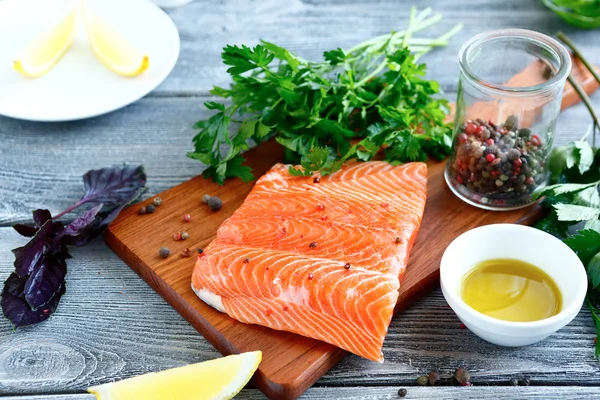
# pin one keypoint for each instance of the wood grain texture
(110, 325)
(291, 363)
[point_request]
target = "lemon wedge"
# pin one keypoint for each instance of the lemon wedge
(48, 48)
(217, 379)
(114, 50)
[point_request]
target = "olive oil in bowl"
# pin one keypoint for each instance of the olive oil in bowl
(511, 290)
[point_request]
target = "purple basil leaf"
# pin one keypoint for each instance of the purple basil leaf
(30, 255)
(94, 229)
(39, 217)
(45, 281)
(80, 223)
(112, 186)
(25, 230)
(15, 307)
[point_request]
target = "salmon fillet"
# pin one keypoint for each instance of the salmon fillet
(318, 256)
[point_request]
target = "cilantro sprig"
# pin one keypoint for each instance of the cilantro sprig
(353, 105)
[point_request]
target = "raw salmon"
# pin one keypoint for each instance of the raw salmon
(318, 256)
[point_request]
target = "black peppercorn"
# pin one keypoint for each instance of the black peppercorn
(524, 382)
(402, 392)
(312, 245)
(150, 209)
(142, 210)
(200, 250)
(164, 252)
(514, 382)
(215, 203)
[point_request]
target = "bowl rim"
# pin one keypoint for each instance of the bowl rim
(559, 9)
(568, 311)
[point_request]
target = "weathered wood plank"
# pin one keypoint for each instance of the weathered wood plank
(111, 326)
(41, 164)
(312, 26)
(391, 392)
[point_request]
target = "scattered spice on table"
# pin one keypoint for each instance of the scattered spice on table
(215, 203)
(205, 198)
(164, 252)
(177, 236)
(200, 250)
(142, 210)
(462, 376)
(157, 201)
(186, 252)
(434, 378)
(150, 209)
(514, 382)
(525, 382)
(187, 218)
(313, 245)
(402, 392)
(347, 266)
(184, 235)
(422, 380)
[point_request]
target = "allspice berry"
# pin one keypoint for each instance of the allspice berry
(422, 380)
(402, 392)
(434, 378)
(462, 376)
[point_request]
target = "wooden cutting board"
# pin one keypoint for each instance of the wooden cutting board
(291, 363)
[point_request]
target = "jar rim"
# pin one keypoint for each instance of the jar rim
(537, 38)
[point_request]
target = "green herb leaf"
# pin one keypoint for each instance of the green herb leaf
(586, 156)
(561, 189)
(323, 106)
(586, 243)
(593, 270)
(571, 212)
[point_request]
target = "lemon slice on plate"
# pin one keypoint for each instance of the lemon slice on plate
(113, 49)
(48, 48)
(217, 379)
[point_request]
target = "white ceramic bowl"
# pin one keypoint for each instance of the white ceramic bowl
(523, 243)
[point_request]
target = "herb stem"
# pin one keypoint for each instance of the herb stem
(74, 206)
(579, 55)
(588, 103)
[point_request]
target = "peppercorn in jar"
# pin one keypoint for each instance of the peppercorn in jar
(508, 100)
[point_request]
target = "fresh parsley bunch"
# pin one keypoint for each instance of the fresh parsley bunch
(352, 105)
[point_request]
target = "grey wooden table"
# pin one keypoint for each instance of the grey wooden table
(110, 325)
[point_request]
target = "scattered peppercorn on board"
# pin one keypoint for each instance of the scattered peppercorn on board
(291, 363)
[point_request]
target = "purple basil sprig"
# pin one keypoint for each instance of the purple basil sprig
(32, 292)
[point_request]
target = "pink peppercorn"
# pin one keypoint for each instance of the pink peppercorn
(187, 217)
(490, 157)
(470, 129)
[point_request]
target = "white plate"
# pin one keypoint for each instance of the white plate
(80, 86)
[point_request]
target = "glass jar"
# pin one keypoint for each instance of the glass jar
(509, 96)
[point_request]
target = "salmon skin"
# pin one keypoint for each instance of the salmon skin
(318, 256)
